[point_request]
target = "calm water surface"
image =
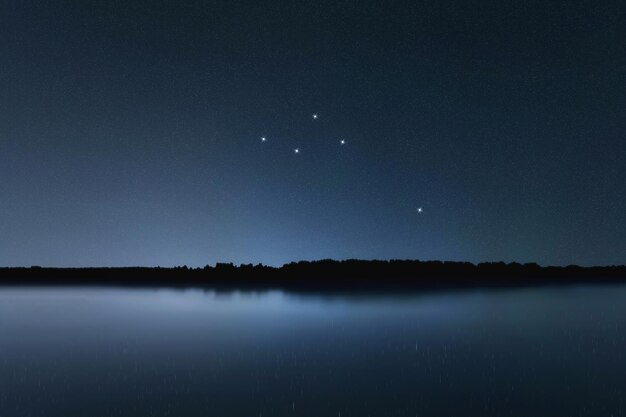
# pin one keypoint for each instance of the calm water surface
(156, 352)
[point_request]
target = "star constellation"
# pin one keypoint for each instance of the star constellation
(342, 142)
(296, 151)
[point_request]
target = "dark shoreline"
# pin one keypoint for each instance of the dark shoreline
(323, 276)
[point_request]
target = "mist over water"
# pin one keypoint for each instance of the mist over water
(158, 352)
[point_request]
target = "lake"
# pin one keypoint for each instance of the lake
(548, 351)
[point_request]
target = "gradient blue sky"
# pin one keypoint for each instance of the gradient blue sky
(130, 131)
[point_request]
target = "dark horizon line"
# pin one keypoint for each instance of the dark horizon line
(324, 275)
(218, 264)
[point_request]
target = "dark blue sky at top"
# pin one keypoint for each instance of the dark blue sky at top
(130, 131)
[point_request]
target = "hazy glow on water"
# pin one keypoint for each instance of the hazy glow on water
(130, 352)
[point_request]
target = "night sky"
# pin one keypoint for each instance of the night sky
(130, 131)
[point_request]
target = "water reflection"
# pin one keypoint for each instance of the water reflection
(129, 352)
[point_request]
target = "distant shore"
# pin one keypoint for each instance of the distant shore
(324, 275)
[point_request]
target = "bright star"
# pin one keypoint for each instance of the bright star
(315, 116)
(263, 139)
(419, 210)
(296, 150)
(342, 142)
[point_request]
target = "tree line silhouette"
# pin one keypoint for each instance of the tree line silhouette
(324, 275)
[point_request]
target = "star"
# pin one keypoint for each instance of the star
(315, 116)
(419, 210)
(263, 139)
(342, 142)
(297, 150)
